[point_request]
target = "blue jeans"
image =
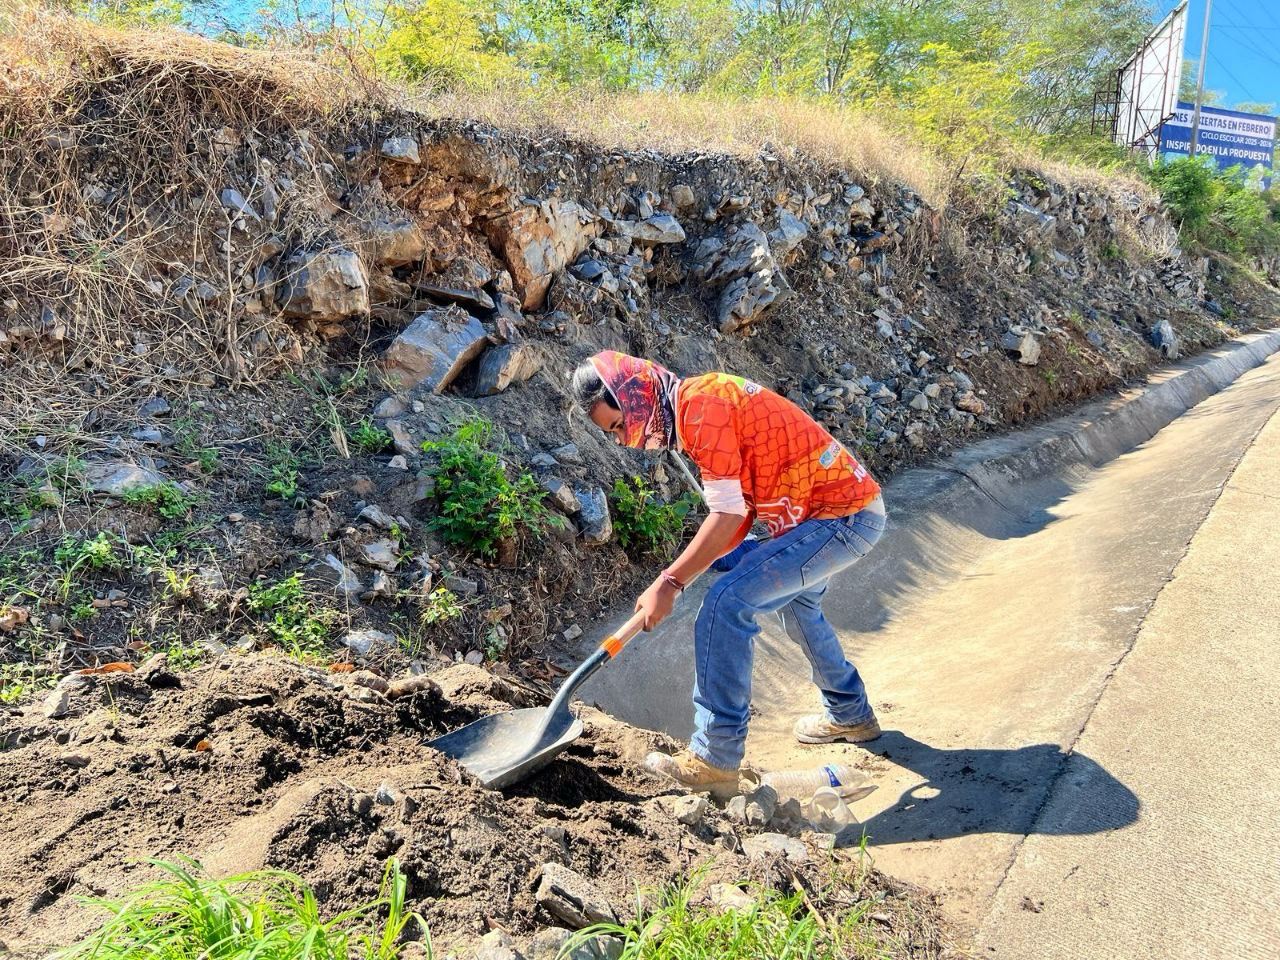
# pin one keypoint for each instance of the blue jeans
(790, 574)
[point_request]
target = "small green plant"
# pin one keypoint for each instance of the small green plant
(368, 437)
(440, 606)
(644, 523)
(282, 472)
(290, 619)
(181, 655)
(20, 680)
(478, 505)
(187, 441)
(495, 643)
(1111, 251)
(100, 554)
(264, 914)
(1050, 376)
(167, 499)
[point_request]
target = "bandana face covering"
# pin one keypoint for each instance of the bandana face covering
(645, 393)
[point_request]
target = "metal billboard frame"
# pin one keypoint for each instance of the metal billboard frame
(1146, 87)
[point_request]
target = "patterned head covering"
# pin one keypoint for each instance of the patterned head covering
(645, 393)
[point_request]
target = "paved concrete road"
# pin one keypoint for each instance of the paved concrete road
(1190, 722)
(987, 641)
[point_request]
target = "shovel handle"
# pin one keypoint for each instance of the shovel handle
(613, 644)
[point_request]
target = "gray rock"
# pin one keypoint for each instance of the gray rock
(396, 242)
(932, 390)
(682, 196)
(572, 898)
(962, 380)
(787, 237)
(390, 407)
(568, 453)
(746, 299)
(362, 642)
(884, 330)
(474, 657)
(461, 585)
(1165, 339)
(155, 407)
(234, 201)
(690, 810)
(544, 461)
(1023, 344)
(728, 896)
(755, 809)
(398, 462)
(58, 702)
(402, 440)
(1095, 338)
(152, 436)
(387, 794)
(561, 495)
(401, 149)
(383, 554)
(333, 573)
(768, 846)
(919, 402)
(324, 286)
(572, 632)
(549, 944)
(434, 349)
(462, 282)
(375, 515)
(504, 365)
(497, 945)
(662, 228)
(382, 586)
(594, 518)
(115, 478)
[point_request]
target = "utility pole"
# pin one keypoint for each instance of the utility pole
(1204, 55)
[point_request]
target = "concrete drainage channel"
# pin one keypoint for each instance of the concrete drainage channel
(1012, 580)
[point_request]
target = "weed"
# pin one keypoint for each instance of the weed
(282, 471)
(291, 620)
(1050, 376)
(167, 499)
(368, 437)
(187, 441)
(495, 643)
(440, 606)
(267, 914)
(19, 680)
(180, 655)
(1111, 251)
(94, 555)
(479, 506)
(84, 610)
(1073, 350)
(645, 524)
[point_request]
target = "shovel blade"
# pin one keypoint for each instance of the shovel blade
(503, 749)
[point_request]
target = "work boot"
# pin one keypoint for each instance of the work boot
(820, 728)
(689, 770)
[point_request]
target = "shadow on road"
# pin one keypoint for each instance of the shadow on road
(972, 790)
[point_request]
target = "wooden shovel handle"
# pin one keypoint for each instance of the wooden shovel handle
(614, 643)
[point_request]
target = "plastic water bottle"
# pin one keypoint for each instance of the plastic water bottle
(828, 812)
(849, 784)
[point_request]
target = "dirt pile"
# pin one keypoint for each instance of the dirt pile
(255, 762)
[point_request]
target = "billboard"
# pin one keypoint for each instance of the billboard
(1229, 136)
(1147, 86)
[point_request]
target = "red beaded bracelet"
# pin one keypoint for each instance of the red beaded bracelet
(672, 580)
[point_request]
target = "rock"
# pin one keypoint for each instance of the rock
(550, 943)
(504, 365)
(12, 617)
(329, 285)
(572, 632)
(662, 228)
(387, 794)
(461, 585)
(234, 201)
(543, 461)
(383, 554)
(768, 846)
(402, 440)
(755, 809)
(58, 702)
(594, 519)
(334, 573)
(401, 149)
(434, 349)
(362, 642)
(682, 196)
(382, 586)
(474, 657)
(396, 242)
(155, 407)
(572, 898)
(932, 390)
(884, 329)
(787, 237)
(1094, 338)
(568, 453)
(378, 517)
(462, 282)
(1165, 339)
(970, 402)
(1023, 344)
(962, 381)
(390, 407)
(398, 462)
(115, 478)
(746, 299)
(497, 945)
(727, 896)
(690, 810)
(918, 402)
(537, 242)
(561, 495)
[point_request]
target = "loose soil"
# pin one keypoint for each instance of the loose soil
(255, 762)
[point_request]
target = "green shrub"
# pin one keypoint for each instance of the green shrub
(167, 499)
(290, 620)
(645, 524)
(282, 472)
(1220, 210)
(265, 914)
(368, 437)
(479, 506)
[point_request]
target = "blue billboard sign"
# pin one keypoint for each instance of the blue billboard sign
(1232, 138)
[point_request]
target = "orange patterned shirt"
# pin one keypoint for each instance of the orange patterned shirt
(790, 469)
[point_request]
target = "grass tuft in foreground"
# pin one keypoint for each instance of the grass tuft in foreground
(263, 915)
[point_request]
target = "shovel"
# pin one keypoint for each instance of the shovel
(507, 747)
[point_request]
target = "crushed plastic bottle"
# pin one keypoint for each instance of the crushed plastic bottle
(828, 812)
(848, 783)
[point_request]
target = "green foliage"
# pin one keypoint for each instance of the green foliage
(1220, 210)
(103, 553)
(282, 472)
(291, 620)
(645, 524)
(775, 927)
(479, 505)
(188, 443)
(167, 499)
(440, 606)
(20, 680)
(368, 437)
(262, 915)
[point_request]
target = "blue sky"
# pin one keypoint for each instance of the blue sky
(1244, 47)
